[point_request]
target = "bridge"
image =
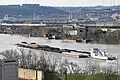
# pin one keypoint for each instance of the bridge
(21, 24)
(95, 24)
(102, 25)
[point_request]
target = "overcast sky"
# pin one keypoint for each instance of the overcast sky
(62, 2)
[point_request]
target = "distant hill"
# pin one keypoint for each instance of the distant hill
(28, 10)
(35, 11)
(91, 8)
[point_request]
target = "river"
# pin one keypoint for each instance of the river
(7, 40)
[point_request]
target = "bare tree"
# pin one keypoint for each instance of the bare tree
(71, 67)
(11, 54)
(50, 62)
(62, 65)
(75, 68)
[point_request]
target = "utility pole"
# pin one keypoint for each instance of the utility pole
(65, 72)
(36, 69)
(117, 68)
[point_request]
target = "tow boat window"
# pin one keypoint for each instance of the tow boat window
(97, 52)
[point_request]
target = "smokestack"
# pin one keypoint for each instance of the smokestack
(103, 2)
(113, 2)
(110, 3)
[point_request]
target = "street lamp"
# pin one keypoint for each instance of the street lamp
(65, 73)
(118, 67)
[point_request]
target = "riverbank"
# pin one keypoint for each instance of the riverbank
(91, 35)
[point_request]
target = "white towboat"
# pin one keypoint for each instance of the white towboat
(97, 54)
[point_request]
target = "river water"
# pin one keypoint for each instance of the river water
(7, 40)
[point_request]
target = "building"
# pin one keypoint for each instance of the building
(29, 74)
(30, 5)
(8, 68)
(13, 6)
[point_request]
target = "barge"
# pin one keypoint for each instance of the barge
(94, 53)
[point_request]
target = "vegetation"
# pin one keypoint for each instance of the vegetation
(28, 10)
(56, 68)
(103, 37)
(92, 77)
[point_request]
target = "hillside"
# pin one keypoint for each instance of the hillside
(28, 10)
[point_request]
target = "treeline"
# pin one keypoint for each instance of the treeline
(95, 36)
(28, 10)
(55, 67)
(103, 37)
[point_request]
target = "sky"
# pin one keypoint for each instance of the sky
(64, 3)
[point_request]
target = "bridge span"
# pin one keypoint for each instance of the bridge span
(103, 25)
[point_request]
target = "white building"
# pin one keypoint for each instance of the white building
(8, 68)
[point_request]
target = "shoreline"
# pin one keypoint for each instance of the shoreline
(63, 40)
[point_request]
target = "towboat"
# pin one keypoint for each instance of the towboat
(97, 54)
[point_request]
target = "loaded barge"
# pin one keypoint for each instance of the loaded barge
(94, 53)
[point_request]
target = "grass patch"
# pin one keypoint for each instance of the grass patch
(51, 76)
